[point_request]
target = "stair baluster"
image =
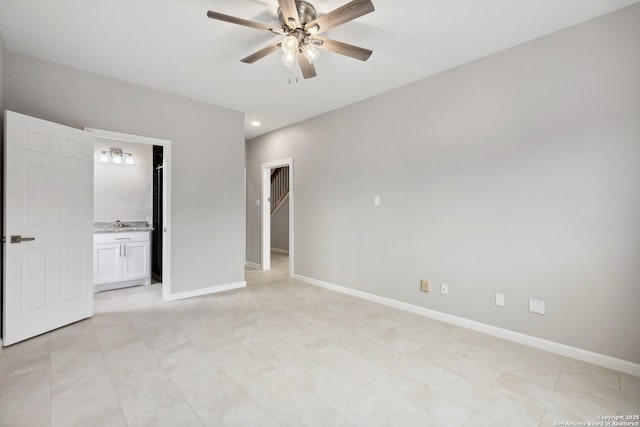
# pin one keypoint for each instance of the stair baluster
(279, 186)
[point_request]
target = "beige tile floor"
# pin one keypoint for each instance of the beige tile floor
(283, 353)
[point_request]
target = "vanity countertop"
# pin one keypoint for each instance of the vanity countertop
(121, 226)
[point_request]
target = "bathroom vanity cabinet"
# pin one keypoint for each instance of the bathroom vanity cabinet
(121, 259)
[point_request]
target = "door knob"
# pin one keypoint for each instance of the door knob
(18, 239)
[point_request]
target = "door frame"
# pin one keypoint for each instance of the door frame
(166, 192)
(266, 212)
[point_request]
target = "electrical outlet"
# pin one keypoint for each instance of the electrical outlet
(536, 306)
(444, 289)
(424, 285)
(500, 300)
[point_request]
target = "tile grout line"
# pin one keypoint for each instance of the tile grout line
(557, 379)
(442, 396)
(337, 410)
(517, 398)
(473, 411)
(542, 419)
(106, 368)
(173, 382)
(620, 381)
(243, 390)
(236, 382)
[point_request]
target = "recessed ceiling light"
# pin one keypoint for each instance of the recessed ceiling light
(255, 123)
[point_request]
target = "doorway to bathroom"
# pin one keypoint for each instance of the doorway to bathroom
(157, 208)
(131, 200)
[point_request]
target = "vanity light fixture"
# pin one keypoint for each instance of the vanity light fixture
(128, 158)
(116, 155)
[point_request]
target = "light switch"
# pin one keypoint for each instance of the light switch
(376, 201)
(500, 300)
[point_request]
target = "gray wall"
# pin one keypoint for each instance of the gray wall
(123, 192)
(517, 173)
(207, 175)
(280, 227)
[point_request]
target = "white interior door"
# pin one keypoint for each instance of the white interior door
(48, 227)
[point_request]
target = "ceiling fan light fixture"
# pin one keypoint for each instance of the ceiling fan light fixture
(299, 25)
(290, 44)
(288, 58)
(310, 52)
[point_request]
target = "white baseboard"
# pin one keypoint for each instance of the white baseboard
(542, 344)
(253, 265)
(204, 291)
(280, 251)
(120, 285)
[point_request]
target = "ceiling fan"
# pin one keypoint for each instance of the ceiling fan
(300, 27)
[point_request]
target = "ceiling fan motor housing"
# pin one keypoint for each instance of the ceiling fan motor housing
(306, 12)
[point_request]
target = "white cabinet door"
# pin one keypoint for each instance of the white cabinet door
(48, 221)
(107, 265)
(136, 261)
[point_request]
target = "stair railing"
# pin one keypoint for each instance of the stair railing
(279, 186)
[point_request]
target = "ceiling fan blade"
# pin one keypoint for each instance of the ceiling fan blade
(343, 48)
(256, 56)
(308, 69)
(290, 12)
(339, 16)
(244, 22)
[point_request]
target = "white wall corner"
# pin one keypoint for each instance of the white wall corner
(531, 341)
(205, 291)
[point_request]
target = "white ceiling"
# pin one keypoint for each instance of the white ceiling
(172, 46)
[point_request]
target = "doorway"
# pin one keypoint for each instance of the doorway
(161, 200)
(277, 178)
(157, 208)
